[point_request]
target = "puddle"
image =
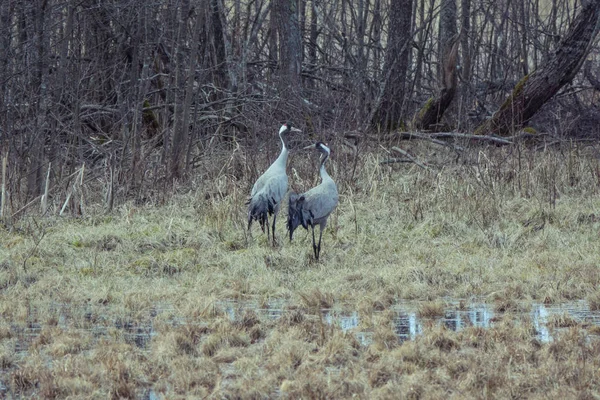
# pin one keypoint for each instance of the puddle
(457, 316)
(134, 330)
(407, 323)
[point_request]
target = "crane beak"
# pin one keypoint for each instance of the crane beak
(312, 146)
(295, 129)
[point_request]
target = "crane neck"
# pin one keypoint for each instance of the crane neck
(322, 170)
(281, 161)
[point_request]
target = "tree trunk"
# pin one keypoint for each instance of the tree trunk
(178, 143)
(272, 34)
(36, 154)
(216, 37)
(524, 27)
(421, 38)
(314, 35)
(375, 36)
(290, 42)
(593, 80)
(189, 86)
(434, 108)
(388, 113)
(6, 10)
(465, 70)
(534, 90)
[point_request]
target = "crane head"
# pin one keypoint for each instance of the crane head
(321, 147)
(287, 128)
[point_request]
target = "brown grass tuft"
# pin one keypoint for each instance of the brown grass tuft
(506, 305)
(5, 332)
(211, 344)
(594, 301)
(317, 299)
(443, 339)
(476, 337)
(563, 321)
(384, 338)
(226, 335)
(431, 309)
(294, 317)
(196, 377)
(249, 320)
(122, 390)
(339, 349)
(25, 377)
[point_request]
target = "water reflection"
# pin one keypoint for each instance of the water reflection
(539, 318)
(407, 324)
(345, 320)
(542, 316)
(137, 331)
(235, 310)
(406, 321)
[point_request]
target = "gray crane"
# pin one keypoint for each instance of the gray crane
(270, 188)
(314, 207)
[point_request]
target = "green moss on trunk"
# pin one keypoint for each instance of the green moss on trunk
(504, 118)
(418, 120)
(516, 93)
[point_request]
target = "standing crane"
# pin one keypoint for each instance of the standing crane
(314, 207)
(270, 188)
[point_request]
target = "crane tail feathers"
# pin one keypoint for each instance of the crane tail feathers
(296, 214)
(259, 209)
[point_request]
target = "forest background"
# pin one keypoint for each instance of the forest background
(135, 96)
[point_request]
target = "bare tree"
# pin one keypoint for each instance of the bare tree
(40, 89)
(534, 90)
(290, 44)
(142, 92)
(179, 131)
(214, 40)
(389, 112)
(465, 63)
(6, 55)
(314, 34)
(434, 108)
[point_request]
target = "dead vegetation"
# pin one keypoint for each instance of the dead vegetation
(144, 300)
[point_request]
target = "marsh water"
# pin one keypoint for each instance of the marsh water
(457, 315)
(408, 324)
(407, 321)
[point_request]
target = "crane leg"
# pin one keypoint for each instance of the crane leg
(314, 243)
(266, 223)
(320, 237)
(274, 219)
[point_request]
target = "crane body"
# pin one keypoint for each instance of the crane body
(270, 188)
(314, 207)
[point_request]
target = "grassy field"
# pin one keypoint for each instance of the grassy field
(133, 304)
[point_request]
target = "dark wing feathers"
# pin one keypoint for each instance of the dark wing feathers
(308, 208)
(259, 208)
(297, 214)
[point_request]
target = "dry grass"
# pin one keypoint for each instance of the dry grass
(120, 305)
(431, 309)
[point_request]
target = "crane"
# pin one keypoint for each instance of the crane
(270, 188)
(314, 207)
